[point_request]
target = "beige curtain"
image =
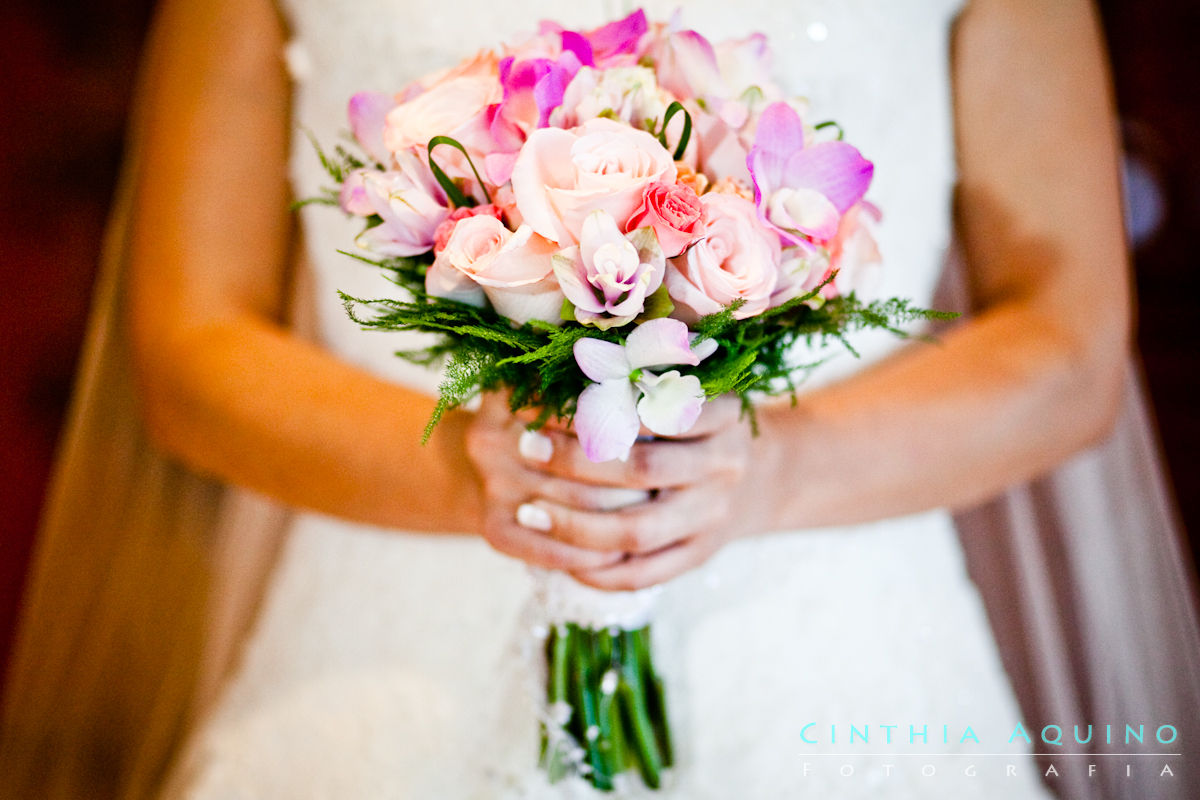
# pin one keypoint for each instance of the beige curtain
(1091, 595)
(143, 577)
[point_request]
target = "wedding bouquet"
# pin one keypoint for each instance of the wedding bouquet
(612, 226)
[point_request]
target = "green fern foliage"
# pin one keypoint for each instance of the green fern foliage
(484, 352)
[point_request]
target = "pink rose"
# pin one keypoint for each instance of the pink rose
(737, 259)
(484, 259)
(562, 176)
(674, 212)
(447, 109)
(442, 235)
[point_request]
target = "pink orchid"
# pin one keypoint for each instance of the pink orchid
(412, 206)
(627, 395)
(686, 64)
(616, 43)
(353, 195)
(802, 192)
(368, 116)
(609, 274)
(729, 79)
(534, 87)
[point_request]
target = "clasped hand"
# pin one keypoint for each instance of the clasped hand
(618, 524)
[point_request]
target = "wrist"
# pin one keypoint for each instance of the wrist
(774, 466)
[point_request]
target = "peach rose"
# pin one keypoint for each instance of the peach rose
(484, 259)
(454, 105)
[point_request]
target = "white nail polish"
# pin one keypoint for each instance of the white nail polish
(533, 517)
(535, 446)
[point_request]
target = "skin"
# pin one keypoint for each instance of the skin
(1034, 376)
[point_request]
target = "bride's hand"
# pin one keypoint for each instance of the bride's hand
(619, 525)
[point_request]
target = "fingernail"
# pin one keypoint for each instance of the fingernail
(535, 446)
(534, 517)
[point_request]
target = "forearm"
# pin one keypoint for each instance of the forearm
(996, 401)
(224, 387)
(1037, 373)
(243, 400)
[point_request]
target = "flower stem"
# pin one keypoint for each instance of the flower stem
(655, 696)
(585, 703)
(616, 706)
(554, 761)
(633, 699)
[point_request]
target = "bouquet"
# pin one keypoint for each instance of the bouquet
(613, 226)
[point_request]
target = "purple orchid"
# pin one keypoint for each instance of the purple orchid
(802, 192)
(533, 89)
(627, 395)
(618, 39)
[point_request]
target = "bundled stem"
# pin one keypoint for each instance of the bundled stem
(616, 721)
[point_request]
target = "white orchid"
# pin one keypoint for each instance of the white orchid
(627, 395)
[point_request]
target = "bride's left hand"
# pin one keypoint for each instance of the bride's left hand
(686, 496)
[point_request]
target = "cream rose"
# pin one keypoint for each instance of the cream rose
(484, 259)
(737, 259)
(628, 94)
(561, 176)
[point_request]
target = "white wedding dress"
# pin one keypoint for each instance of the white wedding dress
(389, 664)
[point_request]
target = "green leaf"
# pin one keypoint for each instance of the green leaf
(658, 304)
(455, 194)
(820, 126)
(672, 110)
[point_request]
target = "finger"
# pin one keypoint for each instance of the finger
(528, 416)
(644, 528)
(493, 407)
(582, 496)
(657, 464)
(540, 550)
(651, 569)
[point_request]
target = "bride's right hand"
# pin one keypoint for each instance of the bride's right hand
(613, 525)
(503, 452)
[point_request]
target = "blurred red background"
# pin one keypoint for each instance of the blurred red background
(68, 69)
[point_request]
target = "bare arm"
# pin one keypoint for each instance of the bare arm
(1037, 374)
(1033, 377)
(224, 386)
